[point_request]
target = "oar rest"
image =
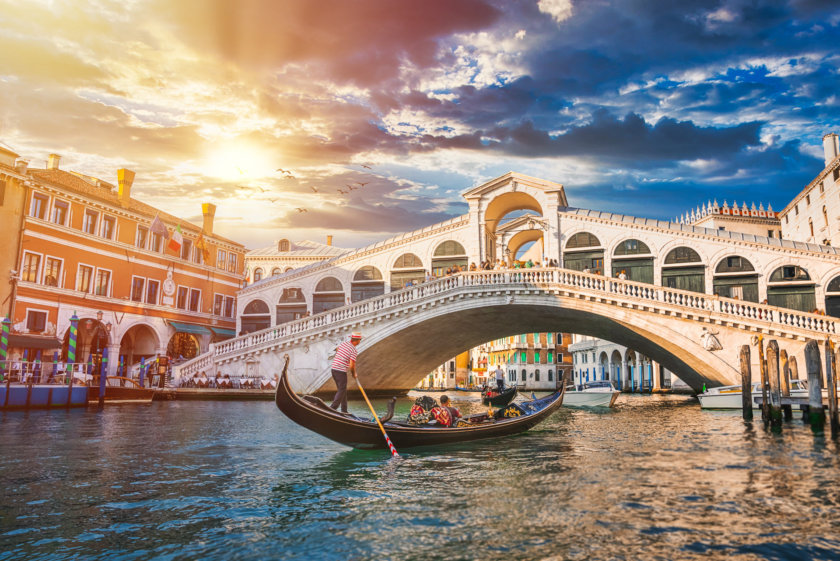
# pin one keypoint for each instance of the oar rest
(390, 413)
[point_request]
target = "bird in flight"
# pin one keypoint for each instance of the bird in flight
(360, 184)
(272, 200)
(366, 166)
(342, 191)
(300, 209)
(260, 189)
(351, 187)
(281, 170)
(314, 190)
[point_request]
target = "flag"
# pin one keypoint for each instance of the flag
(201, 245)
(176, 240)
(159, 228)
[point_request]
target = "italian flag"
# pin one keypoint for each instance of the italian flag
(176, 240)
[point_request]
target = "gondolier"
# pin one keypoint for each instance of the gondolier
(344, 361)
(500, 378)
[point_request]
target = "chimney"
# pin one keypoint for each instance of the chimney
(329, 240)
(125, 178)
(209, 212)
(21, 165)
(830, 147)
(52, 163)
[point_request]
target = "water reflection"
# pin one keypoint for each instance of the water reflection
(654, 478)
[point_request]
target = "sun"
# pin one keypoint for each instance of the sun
(237, 161)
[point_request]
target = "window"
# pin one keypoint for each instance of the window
(551, 375)
(90, 221)
(197, 256)
(36, 321)
(103, 282)
(84, 278)
(822, 188)
(258, 274)
(220, 259)
(232, 262)
(218, 304)
(109, 227)
(186, 249)
(549, 337)
(825, 216)
(142, 237)
(152, 290)
(181, 300)
(537, 375)
(787, 219)
(559, 357)
(61, 210)
(796, 210)
(138, 286)
(523, 338)
(536, 357)
(811, 226)
(808, 199)
(195, 299)
(39, 206)
(52, 271)
(524, 357)
(229, 306)
(769, 233)
(284, 245)
(155, 243)
(524, 375)
(31, 267)
(550, 358)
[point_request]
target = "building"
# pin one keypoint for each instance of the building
(813, 216)
(12, 210)
(89, 249)
(285, 255)
(752, 220)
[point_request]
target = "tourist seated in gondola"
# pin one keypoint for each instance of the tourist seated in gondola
(454, 413)
(420, 413)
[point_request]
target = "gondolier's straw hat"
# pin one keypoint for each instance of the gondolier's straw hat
(356, 335)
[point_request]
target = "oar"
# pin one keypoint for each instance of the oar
(375, 416)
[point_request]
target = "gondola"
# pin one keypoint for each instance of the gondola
(500, 399)
(312, 413)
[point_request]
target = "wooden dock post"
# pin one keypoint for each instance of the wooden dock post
(774, 377)
(787, 410)
(816, 414)
(794, 369)
(765, 398)
(746, 384)
(831, 378)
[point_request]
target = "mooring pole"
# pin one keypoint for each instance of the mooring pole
(816, 414)
(746, 384)
(831, 377)
(794, 369)
(787, 410)
(765, 397)
(775, 386)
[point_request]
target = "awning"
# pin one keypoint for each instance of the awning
(34, 342)
(223, 333)
(189, 328)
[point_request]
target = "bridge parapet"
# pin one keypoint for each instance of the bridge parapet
(620, 293)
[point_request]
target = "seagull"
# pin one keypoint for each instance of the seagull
(272, 200)
(342, 192)
(365, 166)
(281, 170)
(351, 187)
(300, 209)
(260, 189)
(288, 176)
(362, 184)
(314, 190)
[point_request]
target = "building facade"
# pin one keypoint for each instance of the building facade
(91, 250)
(285, 255)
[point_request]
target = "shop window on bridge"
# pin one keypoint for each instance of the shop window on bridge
(407, 269)
(255, 317)
(583, 251)
(627, 258)
(735, 277)
(448, 255)
(367, 283)
(684, 270)
(832, 297)
(329, 294)
(291, 306)
(791, 287)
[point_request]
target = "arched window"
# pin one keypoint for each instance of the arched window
(632, 247)
(329, 284)
(627, 260)
(288, 269)
(329, 294)
(408, 261)
(256, 307)
(291, 306)
(537, 375)
(449, 248)
(258, 274)
(811, 226)
(275, 271)
(581, 240)
(551, 375)
(408, 269)
(583, 252)
(832, 297)
(283, 245)
(367, 283)
(825, 217)
(684, 270)
(790, 286)
(448, 255)
(255, 317)
(524, 375)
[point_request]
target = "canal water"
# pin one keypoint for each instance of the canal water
(656, 478)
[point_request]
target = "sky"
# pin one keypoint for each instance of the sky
(367, 118)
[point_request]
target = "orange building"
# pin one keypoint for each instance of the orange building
(87, 247)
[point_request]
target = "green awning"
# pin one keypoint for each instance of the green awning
(189, 328)
(33, 342)
(223, 333)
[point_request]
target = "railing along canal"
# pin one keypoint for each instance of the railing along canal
(629, 291)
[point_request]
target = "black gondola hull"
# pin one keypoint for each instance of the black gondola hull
(501, 400)
(362, 433)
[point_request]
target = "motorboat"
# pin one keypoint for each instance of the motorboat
(312, 413)
(598, 393)
(729, 397)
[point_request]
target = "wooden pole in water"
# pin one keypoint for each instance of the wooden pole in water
(775, 385)
(794, 369)
(785, 372)
(816, 414)
(765, 398)
(833, 421)
(746, 384)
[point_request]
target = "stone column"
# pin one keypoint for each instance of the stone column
(113, 359)
(640, 370)
(625, 375)
(657, 378)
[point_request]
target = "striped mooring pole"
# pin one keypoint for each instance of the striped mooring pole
(55, 365)
(71, 343)
(103, 375)
(142, 371)
(4, 345)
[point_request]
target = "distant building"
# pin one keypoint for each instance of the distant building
(89, 248)
(813, 216)
(286, 255)
(12, 211)
(752, 220)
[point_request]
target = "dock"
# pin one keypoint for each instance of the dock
(213, 394)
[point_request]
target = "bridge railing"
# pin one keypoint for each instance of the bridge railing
(629, 291)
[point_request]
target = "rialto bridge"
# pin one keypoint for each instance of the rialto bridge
(688, 299)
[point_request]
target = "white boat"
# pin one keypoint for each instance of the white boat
(599, 393)
(729, 397)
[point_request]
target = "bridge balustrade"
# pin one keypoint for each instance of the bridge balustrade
(629, 291)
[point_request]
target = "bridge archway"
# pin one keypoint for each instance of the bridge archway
(500, 207)
(615, 368)
(518, 240)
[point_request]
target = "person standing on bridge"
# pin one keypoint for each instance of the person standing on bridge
(344, 361)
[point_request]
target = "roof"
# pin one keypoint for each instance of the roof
(305, 248)
(106, 192)
(723, 234)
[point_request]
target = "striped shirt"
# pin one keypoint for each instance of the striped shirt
(343, 355)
